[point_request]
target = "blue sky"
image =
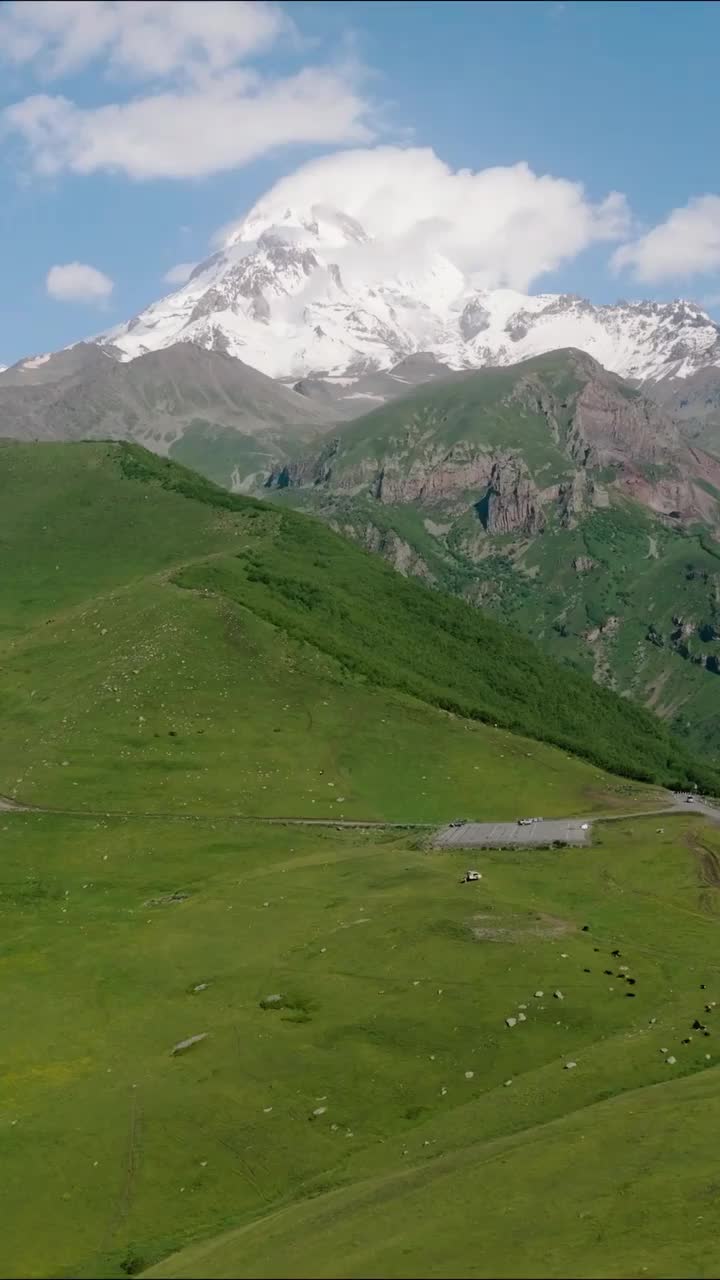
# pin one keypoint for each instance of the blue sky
(131, 132)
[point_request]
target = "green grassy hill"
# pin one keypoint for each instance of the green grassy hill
(158, 611)
(178, 665)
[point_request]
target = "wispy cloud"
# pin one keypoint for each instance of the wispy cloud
(685, 244)
(78, 282)
(208, 110)
(179, 274)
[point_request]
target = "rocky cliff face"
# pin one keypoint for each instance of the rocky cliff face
(572, 419)
(512, 503)
(611, 427)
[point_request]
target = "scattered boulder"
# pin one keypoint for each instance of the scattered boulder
(671, 1061)
(510, 1022)
(539, 995)
(558, 995)
(271, 1002)
(569, 1066)
(167, 899)
(183, 1045)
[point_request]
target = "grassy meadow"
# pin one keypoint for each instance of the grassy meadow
(350, 1129)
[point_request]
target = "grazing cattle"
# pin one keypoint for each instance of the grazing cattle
(632, 981)
(609, 972)
(616, 953)
(630, 995)
(698, 1025)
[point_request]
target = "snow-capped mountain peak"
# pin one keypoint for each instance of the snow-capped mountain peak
(297, 291)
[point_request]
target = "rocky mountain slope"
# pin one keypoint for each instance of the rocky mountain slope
(194, 404)
(560, 498)
(694, 403)
(296, 292)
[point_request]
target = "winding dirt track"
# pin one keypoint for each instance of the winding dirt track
(459, 836)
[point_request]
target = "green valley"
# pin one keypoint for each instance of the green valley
(238, 1046)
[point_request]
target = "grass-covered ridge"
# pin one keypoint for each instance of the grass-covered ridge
(323, 590)
(118, 519)
(398, 634)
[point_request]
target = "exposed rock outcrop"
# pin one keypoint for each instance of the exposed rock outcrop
(512, 503)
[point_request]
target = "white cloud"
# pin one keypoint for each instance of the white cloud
(179, 274)
(503, 226)
(686, 244)
(190, 134)
(207, 111)
(78, 282)
(144, 38)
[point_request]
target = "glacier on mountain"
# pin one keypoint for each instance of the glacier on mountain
(297, 292)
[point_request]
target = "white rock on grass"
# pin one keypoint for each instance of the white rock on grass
(558, 995)
(319, 1111)
(182, 1045)
(469, 1074)
(539, 995)
(510, 1022)
(569, 1065)
(522, 1017)
(671, 1061)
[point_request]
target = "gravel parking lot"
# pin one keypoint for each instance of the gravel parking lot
(496, 835)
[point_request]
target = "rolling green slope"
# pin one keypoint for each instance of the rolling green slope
(179, 664)
(165, 608)
(122, 938)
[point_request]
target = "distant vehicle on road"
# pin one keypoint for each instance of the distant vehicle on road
(458, 822)
(689, 799)
(525, 822)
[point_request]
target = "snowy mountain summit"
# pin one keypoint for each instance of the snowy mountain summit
(297, 292)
